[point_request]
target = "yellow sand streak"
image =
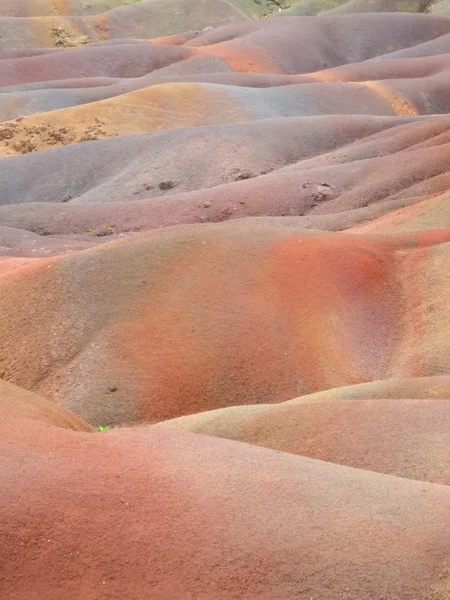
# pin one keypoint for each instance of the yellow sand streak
(399, 103)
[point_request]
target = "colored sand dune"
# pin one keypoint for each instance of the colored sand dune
(224, 300)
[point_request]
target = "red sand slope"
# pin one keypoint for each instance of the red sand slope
(172, 514)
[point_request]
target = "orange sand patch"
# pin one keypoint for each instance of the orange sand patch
(165, 106)
(14, 266)
(327, 76)
(169, 40)
(243, 60)
(399, 103)
(101, 25)
(316, 291)
(61, 7)
(21, 404)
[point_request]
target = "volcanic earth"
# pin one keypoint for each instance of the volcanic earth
(224, 300)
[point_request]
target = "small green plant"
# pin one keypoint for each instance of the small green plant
(106, 428)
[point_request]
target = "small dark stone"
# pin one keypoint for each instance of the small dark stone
(167, 185)
(245, 175)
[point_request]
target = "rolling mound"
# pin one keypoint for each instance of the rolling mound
(179, 105)
(267, 306)
(145, 164)
(51, 24)
(224, 299)
(317, 7)
(364, 426)
(300, 175)
(200, 511)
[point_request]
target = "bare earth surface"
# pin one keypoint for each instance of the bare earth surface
(225, 239)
